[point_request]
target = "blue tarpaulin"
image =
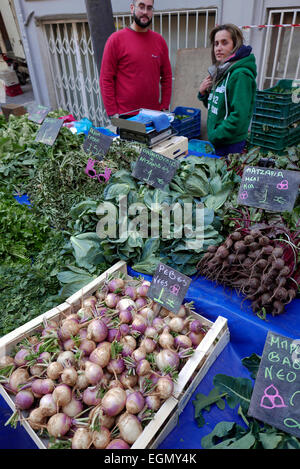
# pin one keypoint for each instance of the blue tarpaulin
(248, 333)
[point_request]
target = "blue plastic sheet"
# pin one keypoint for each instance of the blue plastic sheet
(83, 126)
(247, 335)
(22, 199)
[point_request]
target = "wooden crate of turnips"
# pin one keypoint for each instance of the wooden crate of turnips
(88, 374)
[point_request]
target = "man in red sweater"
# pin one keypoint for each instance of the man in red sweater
(136, 71)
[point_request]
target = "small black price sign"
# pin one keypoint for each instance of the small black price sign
(276, 395)
(97, 143)
(155, 169)
(271, 189)
(168, 287)
(49, 131)
(37, 112)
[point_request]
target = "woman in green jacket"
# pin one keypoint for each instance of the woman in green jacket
(229, 90)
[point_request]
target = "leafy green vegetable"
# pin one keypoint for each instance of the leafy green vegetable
(204, 402)
(230, 435)
(177, 248)
(28, 290)
(21, 234)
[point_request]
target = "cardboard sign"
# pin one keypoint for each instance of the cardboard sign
(97, 143)
(155, 169)
(269, 188)
(168, 287)
(276, 395)
(49, 130)
(37, 112)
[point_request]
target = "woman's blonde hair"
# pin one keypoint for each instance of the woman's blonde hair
(236, 36)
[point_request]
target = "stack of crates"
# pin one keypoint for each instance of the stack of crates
(187, 121)
(276, 118)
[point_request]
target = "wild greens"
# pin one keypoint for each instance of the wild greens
(236, 392)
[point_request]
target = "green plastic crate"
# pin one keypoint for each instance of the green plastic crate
(274, 137)
(277, 102)
(263, 117)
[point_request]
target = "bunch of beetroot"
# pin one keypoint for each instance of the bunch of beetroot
(94, 378)
(257, 263)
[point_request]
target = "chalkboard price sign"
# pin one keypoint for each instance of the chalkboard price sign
(168, 287)
(37, 112)
(271, 189)
(97, 143)
(276, 396)
(155, 169)
(49, 130)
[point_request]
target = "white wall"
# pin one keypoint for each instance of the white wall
(12, 29)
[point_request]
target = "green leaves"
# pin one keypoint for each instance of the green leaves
(21, 235)
(87, 250)
(232, 436)
(28, 290)
(203, 402)
(73, 280)
(197, 180)
(252, 364)
(236, 392)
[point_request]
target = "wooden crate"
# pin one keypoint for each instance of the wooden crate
(189, 377)
(15, 109)
(173, 147)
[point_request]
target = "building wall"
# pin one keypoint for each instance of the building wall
(12, 28)
(240, 12)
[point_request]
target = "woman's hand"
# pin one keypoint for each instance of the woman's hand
(205, 85)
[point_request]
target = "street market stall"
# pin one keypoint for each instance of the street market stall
(67, 172)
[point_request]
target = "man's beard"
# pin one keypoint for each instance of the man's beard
(139, 22)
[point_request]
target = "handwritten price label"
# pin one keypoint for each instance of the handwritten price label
(270, 189)
(276, 395)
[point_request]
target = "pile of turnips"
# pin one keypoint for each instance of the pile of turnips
(94, 378)
(260, 263)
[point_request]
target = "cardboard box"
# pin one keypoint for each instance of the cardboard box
(174, 147)
(9, 77)
(189, 377)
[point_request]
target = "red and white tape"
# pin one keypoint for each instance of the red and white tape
(260, 26)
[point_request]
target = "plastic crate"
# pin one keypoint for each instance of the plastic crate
(201, 146)
(274, 137)
(189, 126)
(264, 118)
(276, 104)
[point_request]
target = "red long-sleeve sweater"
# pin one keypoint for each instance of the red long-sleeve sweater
(133, 66)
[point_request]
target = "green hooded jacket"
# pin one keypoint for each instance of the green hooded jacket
(230, 103)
